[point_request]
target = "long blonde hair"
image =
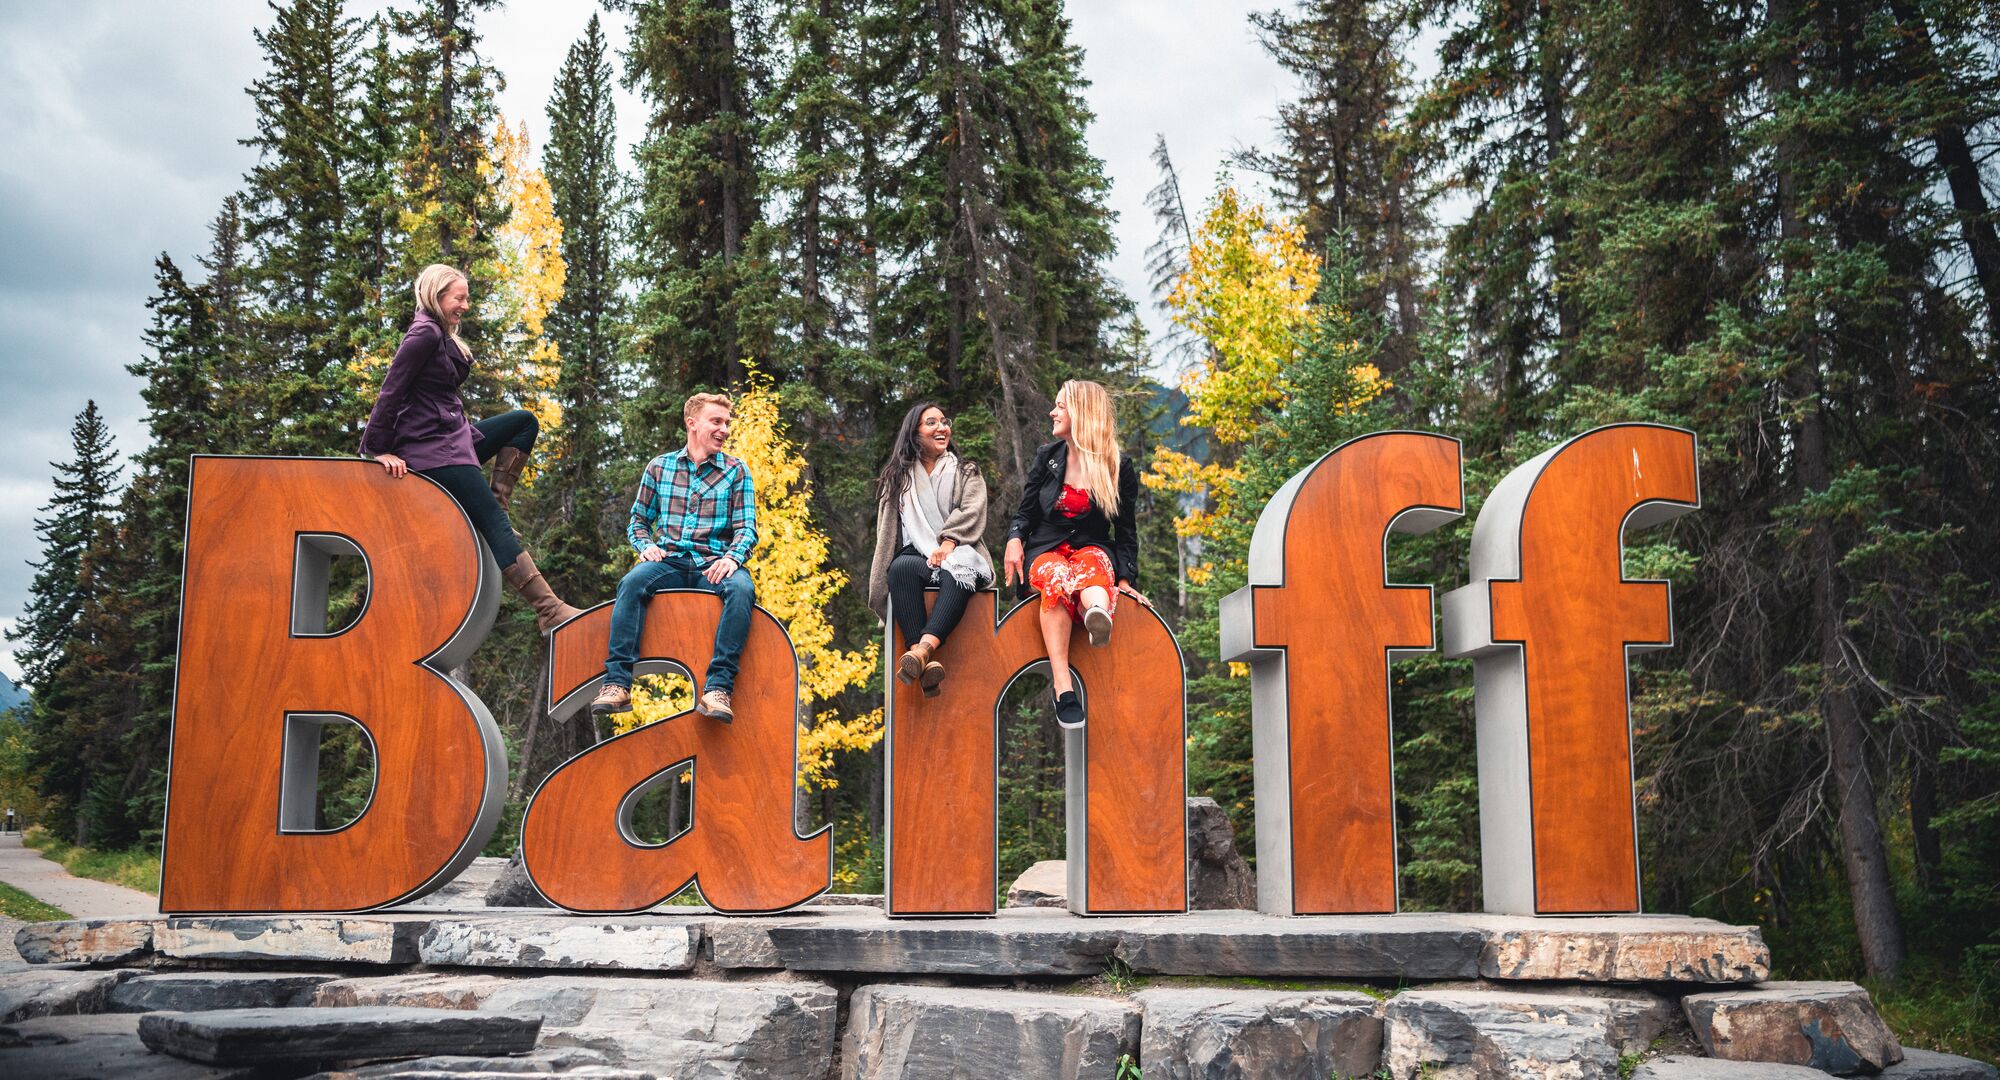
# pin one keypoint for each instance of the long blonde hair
(1093, 430)
(430, 287)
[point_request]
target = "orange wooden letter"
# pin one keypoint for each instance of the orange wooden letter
(259, 675)
(1320, 625)
(1126, 772)
(1551, 619)
(742, 850)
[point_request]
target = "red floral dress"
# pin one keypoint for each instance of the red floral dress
(1063, 572)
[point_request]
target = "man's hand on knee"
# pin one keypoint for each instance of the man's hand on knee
(719, 570)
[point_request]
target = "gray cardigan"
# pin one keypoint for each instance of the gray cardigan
(966, 524)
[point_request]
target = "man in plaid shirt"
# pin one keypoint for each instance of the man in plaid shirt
(694, 524)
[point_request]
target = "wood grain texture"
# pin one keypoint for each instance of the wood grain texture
(944, 761)
(1574, 616)
(1337, 622)
(241, 672)
(741, 847)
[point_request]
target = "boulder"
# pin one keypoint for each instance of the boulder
(1621, 948)
(337, 939)
(1930, 1065)
(511, 887)
(25, 995)
(1223, 1034)
(1217, 875)
(949, 1032)
(856, 899)
(1543, 1035)
(198, 991)
(1248, 943)
(280, 1036)
(468, 889)
(93, 1048)
(1045, 884)
(87, 941)
(631, 943)
(566, 1061)
(1829, 1026)
(676, 1027)
(1701, 1068)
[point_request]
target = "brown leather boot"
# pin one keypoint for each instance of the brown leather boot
(528, 581)
(911, 664)
(507, 466)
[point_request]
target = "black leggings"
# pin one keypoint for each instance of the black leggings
(467, 484)
(909, 574)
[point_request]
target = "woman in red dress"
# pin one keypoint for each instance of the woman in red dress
(1074, 537)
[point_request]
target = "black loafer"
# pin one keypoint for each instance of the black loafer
(1069, 710)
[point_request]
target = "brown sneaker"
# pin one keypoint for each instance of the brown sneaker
(611, 698)
(714, 704)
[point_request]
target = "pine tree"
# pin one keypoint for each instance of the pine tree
(296, 215)
(581, 162)
(1346, 166)
(77, 512)
(705, 299)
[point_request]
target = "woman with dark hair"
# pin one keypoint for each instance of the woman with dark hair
(929, 528)
(419, 423)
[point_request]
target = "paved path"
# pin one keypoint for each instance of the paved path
(25, 869)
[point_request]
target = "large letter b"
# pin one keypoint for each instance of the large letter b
(259, 675)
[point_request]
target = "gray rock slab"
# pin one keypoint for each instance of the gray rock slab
(344, 939)
(1931, 1065)
(1236, 943)
(633, 943)
(25, 995)
(273, 1036)
(1700, 1068)
(677, 1027)
(199, 991)
(852, 899)
(1538, 1034)
(1830, 1026)
(947, 1033)
(1044, 884)
(89, 941)
(1021, 941)
(1218, 876)
(1621, 948)
(512, 887)
(93, 1048)
(1225, 1034)
(564, 1061)
(468, 889)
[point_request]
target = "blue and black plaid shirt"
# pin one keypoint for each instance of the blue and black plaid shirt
(698, 513)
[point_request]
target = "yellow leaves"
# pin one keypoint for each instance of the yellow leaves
(530, 275)
(1248, 293)
(831, 734)
(655, 698)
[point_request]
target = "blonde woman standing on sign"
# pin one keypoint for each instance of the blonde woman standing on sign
(929, 526)
(419, 424)
(1075, 536)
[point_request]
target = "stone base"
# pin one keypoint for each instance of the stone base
(844, 991)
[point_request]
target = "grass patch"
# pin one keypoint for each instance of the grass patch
(15, 904)
(137, 868)
(1939, 1010)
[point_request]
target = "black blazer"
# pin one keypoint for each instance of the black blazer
(1039, 528)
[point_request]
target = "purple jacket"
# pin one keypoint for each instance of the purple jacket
(418, 415)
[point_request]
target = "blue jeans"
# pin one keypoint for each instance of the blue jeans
(628, 618)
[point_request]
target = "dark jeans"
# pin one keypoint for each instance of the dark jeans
(628, 617)
(467, 484)
(909, 574)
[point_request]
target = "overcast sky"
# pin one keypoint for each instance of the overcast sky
(121, 122)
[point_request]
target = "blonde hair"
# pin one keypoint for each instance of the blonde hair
(1093, 430)
(431, 283)
(701, 401)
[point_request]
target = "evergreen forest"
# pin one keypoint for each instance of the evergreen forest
(1509, 221)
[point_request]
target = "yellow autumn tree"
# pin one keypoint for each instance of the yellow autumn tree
(1248, 294)
(531, 273)
(795, 584)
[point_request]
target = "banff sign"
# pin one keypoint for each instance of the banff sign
(1548, 616)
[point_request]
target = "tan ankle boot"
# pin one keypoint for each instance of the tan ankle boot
(911, 664)
(528, 581)
(507, 466)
